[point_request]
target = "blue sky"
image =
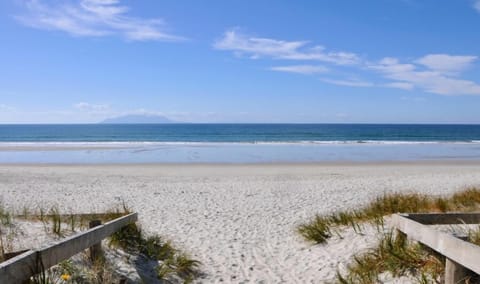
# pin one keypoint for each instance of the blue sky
(376, 61)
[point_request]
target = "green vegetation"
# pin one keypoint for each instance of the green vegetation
(394, 255)
(56, 221)
(173, 262)
(320, 228)
(397, 256)
(6, 232)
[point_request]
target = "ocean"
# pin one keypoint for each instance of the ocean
(235, 143)
(249, 133)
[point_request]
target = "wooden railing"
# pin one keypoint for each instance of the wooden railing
(460, 255)
(21, 267)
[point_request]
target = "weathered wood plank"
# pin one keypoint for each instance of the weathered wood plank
(80, 216)
(96, 249)
(22, 267)
(462, 252)
(454, 272)
(445, 218)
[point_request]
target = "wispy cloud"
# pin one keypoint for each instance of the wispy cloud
(476, 5)
(437, 78)
(348, 82)
(6, 108)
(93, 18)
(91, 107)
(257, 47)
(444, 63)
(400, 85)
(301, 69)
(432, 73)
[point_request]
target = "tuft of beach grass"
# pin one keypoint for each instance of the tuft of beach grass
(320, 228)
(394, 255)
(172, 262)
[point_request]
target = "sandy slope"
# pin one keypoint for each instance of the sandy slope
(239, 220)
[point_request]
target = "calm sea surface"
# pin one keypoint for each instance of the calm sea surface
(239, 133)
(236, 143)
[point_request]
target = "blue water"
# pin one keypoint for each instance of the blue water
(236, 143)
(238, 133)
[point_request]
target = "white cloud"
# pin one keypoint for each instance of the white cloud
(400, 85)
(6, 108)
(348, 83)
(93, 18)
(142, 111)
(257, 47)
(432, 81)
(91, 107)
(433, 73)
(445, 63)
(301, 69)
(476, 5)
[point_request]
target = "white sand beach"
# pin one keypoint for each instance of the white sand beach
(238, 220)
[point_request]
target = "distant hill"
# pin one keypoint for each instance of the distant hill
(137, 118)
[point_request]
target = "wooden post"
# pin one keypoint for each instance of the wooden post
(454, 272)
(400, 235)
(96, 249)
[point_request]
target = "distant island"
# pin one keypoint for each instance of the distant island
(137, 119)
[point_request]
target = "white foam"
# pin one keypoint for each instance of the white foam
(132, 144)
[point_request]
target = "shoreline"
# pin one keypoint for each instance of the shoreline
(241, 153)
(106, 145)
(352, 163)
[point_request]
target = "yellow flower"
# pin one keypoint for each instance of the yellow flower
(65, 277)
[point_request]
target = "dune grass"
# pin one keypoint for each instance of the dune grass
(394, 255)
(320, 228)
(173, 264)
(172, 261)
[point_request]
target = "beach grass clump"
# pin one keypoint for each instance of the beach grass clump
(181, 265)
(320, 228)
(396, 202)
(6, 232)
(172, 261)
(397, 257)
(466, 200)
(56, 221)
(5, 216)
(473, 236)
(394, 255)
